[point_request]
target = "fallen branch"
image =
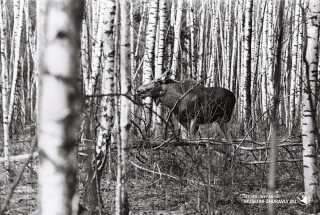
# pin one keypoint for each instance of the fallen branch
(20, 157)
(167, 175)
(18, 178)
(253, 148)
(267, 161)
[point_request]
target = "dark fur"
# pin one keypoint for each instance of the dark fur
(202, 104)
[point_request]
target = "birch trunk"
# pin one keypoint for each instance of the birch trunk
(193, 67)
(177, 31)
(59, 33)
(246, 68)
(200, 44)
(97, 50)
(122, 205)
(227, 25)
(159, 65)
(16, 57)
(270, 53)
(149, 57)
(107, 108)
(4, 86)
(294, 70)
(276, 102)
(141, 26)
(310, 167)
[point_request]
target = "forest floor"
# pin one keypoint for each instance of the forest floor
(155, 193)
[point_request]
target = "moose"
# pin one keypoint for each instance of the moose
(192, 104)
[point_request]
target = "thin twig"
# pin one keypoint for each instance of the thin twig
(167, 175)
(184, 95)
(256, 122)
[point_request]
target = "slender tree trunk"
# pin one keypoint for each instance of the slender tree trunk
(294, 70)
(264, 66)
(97, 50)
(227, 24)
(15, 62)
(310, 167)
(148, 60)
(122, 205)
(4, 86)
(107, 108)
(246, 68)
(159, 66)
(173, 13)
(200, 43)
(193, 67)
(85, 53)
(270, 53)
(177, 31)
(276, 101)
(58, 128)
(141, 26)
(212, 74)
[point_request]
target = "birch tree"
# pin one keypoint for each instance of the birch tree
(148, 58)
(16, 56)
(200, 44)
(159, 63)
(270, 53)
(59, 28)
(310, 167)
(97, 48)
(107, 111)
(193, 67)
(246, 68)
(177, 31)
(276, 101)
(294, 70)
(122, 206)
(4, 85)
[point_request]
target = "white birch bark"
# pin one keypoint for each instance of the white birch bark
(85, 55)
(200, 43)
(212, 68)
(310, 167)
(97, 49)
(227, 25)
(107, 102)
(141, 26)
(159, 62)
(193, 67)
(173, 13)
(177, 28)
(294, 70)
(149, 56)
(246, 65)
(106, 112)
(4, 85)
(59, 34)
(270, 53)
(264, 65)
(125, 118)
(16, 61)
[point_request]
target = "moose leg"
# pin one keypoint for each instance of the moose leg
(194, 127)
(224, 126)
(184, 130)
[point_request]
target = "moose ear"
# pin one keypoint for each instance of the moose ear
(159, 80)
(157, 102)
(165, 75)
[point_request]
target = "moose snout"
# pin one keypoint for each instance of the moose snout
(140, 92)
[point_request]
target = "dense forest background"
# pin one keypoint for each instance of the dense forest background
(70, 73)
